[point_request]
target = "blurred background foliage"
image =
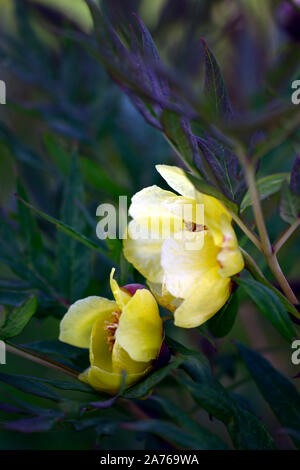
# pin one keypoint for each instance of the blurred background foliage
(71, 140)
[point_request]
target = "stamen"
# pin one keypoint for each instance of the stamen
(193, 227)
(111, 327)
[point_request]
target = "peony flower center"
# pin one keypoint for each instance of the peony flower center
(193, 227)
(111, 328)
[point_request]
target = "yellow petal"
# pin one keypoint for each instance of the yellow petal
(121, 361)
(230, 258)
(206, 299)
(76, 326)
(157, 211)
(140, 327)
(163, 297)
(109, 382)
(100, 354)
(144, 254)
(177, 180)
(185, 261)
(120, 295)
(213, 210)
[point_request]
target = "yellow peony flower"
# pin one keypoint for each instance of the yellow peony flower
(124, 334)
(189, 268)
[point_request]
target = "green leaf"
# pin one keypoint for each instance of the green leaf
(55, 347)
(29, 230)
(289, 206)
(67, 229)
(18, 319)
(106, 425)
(175, 434)
(20, 151)
(171, 122)
(270, 305)
(59, 156)
(221, 323)
(3, 316)
(278, 391)
(144, 387)
(8, 176)
(251, 266)
(97, 177)
(29, 385)
(206, 439)
(62, 385)
(266, 187)
(245, 429)
(73, 258)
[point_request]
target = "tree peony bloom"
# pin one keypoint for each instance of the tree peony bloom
(188, 268)
(124, 334)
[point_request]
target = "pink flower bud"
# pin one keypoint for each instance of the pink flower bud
(132, 288)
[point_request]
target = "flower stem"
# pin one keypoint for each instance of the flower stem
(285, 236)
(266, 246)
(250, 234)
(19, 351)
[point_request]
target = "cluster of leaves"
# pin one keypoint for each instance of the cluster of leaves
(54, 268)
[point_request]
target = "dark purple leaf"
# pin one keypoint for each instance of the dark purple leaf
(104, 404)
(214, 85)
(295, 176)
(7, 408)
(212, 162)
(159, 84)
(30, 425)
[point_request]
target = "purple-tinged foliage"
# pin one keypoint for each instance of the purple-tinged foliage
(214, 86)
(7, 408)
(35, 424)
(164, 356)
(295, 176)
(288, 17)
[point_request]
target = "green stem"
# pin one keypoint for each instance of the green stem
(250, 234)
(19, 351)
(267, 250)
(285, 236)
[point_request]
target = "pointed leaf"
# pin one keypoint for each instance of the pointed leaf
(66, 229)
(144, 387)
(295, 176)
(29, 385)
(215, 90)
(73, 259)
(289, 206)
(267, 186)
(278, 391)
(270, 305)
(221, 323)
(18, 319)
